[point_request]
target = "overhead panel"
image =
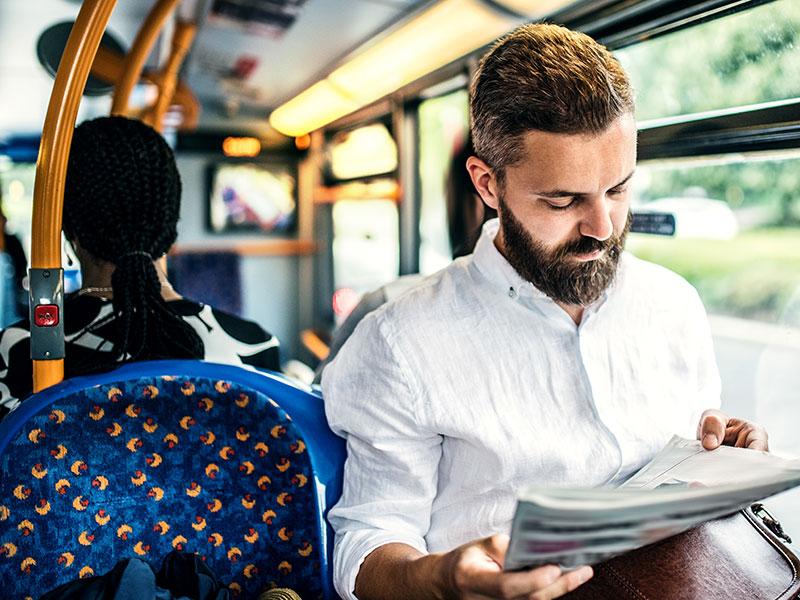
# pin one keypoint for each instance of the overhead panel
(533, 9)
(266, 17)
(437, 35)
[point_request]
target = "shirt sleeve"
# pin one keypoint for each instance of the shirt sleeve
(369, 302)
(390, 476)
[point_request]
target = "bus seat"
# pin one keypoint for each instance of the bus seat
(233, 464)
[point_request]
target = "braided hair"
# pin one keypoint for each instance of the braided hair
(122, 202)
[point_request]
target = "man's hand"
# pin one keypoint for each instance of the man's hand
(716, 428)
(474, 571)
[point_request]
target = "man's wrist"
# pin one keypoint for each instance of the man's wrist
(398, 572)
(433, 576)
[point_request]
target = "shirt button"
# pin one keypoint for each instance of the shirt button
(512, 293)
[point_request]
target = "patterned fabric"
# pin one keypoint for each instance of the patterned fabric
(142, 467)
(89, 328)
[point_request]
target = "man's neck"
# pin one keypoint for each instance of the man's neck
(97, 274)
(575, 311)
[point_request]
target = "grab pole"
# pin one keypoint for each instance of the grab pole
(46, 276)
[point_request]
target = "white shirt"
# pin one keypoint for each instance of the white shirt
(475, 384)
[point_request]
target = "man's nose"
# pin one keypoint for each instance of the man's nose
(596, 219)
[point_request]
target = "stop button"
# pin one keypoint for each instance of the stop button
(45, 315)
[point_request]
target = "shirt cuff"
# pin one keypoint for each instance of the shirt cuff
(353, 547)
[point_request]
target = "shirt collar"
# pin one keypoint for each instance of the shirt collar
(497, 270)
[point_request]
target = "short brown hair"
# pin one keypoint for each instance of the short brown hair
(548, 78)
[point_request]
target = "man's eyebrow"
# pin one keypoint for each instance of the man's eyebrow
(568, 194)
(624, 181)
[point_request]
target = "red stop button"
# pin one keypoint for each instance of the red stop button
(45, 315)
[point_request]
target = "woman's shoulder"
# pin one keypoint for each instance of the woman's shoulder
(239, 328)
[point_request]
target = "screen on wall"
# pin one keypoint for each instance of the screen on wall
(257, 197)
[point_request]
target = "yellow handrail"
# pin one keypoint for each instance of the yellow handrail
(51, 166)
(109, 65)
(182, 39)
(140, 50)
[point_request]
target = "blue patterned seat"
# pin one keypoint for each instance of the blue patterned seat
(235, 465)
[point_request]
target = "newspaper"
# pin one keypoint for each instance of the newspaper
(683, 486)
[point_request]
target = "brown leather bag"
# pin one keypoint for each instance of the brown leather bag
(734, 558)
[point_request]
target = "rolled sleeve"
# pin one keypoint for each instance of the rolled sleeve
(390, 476)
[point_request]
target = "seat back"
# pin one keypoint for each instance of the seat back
(234, 465)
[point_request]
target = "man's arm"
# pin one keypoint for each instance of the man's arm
(471, 572)
(375, 401)
(391, 473)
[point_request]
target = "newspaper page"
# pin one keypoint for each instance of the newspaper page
(683, 486)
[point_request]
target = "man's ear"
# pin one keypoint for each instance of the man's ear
(484, 180)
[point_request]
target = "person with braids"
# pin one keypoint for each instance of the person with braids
(121, 208)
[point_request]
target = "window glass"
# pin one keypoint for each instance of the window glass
(16, 181)
(443, 128)
(362, 152)
(746, 58)
(738, 243)
(366, 250)
(16, 185)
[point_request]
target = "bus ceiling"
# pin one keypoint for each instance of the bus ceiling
(241, 60)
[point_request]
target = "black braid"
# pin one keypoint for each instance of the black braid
(122, 202)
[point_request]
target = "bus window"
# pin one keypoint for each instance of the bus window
(746, 58)
(17, 193)
(16, 179)
(738, 243)
(362, 152)
(443, 127)
(364, 245)
(737, 211)
(366, 250)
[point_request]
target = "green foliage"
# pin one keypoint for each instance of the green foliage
(742, 59)
(746, 58)
(771, 185)
(752, 276)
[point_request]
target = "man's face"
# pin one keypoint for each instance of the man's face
(564, 210)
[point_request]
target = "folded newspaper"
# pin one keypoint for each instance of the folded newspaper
(683, 486)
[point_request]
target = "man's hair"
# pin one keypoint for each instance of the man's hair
(122, 202)
(547, 78)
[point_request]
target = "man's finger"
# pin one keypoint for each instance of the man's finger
(564, 584)
(496, 547)
(757, 439)
(744, 434)
(711, 430)
(508, 585)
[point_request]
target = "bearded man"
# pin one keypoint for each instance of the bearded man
(549, 356)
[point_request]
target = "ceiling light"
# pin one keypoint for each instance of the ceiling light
(317, 106)
(445, 32)
(435, 37)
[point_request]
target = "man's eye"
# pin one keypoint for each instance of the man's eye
(560, 206)
(617, 191)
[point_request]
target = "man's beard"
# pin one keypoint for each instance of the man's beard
(556, 272)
